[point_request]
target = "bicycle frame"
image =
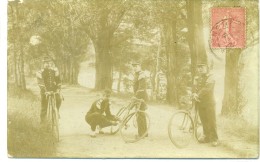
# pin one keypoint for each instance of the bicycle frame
(135, 103)
(51, 100)
(195, 117)
(129, 126)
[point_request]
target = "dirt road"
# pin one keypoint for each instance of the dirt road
(76, 143)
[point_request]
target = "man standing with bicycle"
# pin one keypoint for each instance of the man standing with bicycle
(205, 103)
(139, 87)
(48, 80)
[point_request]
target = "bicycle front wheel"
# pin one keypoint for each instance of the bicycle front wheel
(180, 129)
(120, 114)
(55, 125)
(135, 127)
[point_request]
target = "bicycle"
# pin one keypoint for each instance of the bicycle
(52, 115)
(129, 116)
(185, 125)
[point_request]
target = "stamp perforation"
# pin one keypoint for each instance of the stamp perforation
(215, 10)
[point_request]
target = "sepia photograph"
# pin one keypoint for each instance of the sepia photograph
(133, 79)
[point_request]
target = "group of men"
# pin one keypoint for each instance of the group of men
(99, 115)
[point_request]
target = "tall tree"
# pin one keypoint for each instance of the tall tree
(230, 103)
(233, 101)
(195, 35)
(18, 38)
(170, 21)
(58, 25)
(64, 39)
(102, 18)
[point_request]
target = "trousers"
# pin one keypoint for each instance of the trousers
(95, 119)
(141, 120)
(207, 113)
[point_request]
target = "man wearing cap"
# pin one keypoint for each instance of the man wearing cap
(48, 80)
(203, 94)
(95, 117)
(139, 87)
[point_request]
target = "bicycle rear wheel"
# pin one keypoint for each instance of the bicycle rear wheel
(180, 129)
(135, 127)
(120, 114)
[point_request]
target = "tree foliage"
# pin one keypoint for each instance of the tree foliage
(165, 36)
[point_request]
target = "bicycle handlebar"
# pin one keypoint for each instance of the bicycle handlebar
(51, 92)
(134, 99)
(135, 103)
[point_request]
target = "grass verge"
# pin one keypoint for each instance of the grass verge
(24, 136)
(239, 135)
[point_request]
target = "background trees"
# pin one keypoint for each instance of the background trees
(166, 36)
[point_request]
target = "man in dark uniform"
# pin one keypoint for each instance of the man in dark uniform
(139, 87)
(48, 80)
(95, 117)
(205, 103)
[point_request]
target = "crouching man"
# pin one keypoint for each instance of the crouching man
(95, 116)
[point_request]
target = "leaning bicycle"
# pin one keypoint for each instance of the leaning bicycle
(184, 125)
(132, 120)
(120, 115)
(52, 115)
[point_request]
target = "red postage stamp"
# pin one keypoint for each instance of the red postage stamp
(228, 27)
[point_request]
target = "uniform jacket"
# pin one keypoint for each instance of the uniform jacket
(140, 85)
(49, 79)
(101, 106)
(204, 87)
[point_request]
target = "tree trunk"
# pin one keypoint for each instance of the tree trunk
(171, 45)
(18, 71)
(198, 33)
(69, 71)
(75, 72)
(21, 69)
(64, 71)
(190, 36)
(195, 35)
(230, 102)
(119, 80)
(64, 77)
(14, 16)
(103, 64)
(15, 67)
(155, 78)
(153, 82)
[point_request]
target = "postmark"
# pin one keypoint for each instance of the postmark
(228, 27)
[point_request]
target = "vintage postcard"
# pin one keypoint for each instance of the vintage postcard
(132, 79)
